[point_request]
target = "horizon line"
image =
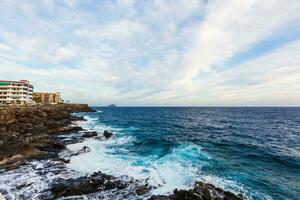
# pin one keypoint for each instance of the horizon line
(202, 106)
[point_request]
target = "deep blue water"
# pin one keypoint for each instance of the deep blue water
(255, 151)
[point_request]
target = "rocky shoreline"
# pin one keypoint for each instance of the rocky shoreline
(25, 132)
(28, 133)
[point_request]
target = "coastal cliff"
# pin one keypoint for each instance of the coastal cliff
(25, 131)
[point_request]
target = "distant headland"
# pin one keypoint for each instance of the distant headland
(112, 106)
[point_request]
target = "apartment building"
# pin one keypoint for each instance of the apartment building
(47, 97)
(16, 92)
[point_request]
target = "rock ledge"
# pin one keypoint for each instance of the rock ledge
(25, 131)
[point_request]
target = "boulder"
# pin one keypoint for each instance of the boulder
(86, 185)
(107, 134)
(7, 116)
(89, 134)
(160, 197)
(200, 191)
(84, 149)
(143, 189)
(115, 184)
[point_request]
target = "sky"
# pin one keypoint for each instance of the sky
(155, 52)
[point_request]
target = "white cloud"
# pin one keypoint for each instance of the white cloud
(233, 26)
(4, 47)
(272, 79)
(121, 30)
(66, 53)
(71, 3)
(173, 10)
(126, 4)
(150, 52)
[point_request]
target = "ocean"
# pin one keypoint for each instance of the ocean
(253, 151)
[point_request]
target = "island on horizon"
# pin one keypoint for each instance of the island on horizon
(112, 106)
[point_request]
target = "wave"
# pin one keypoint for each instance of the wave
(176, 169)
(32, 180)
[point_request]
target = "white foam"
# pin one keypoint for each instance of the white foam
(166, 173)
(35, 177)
(174, 170)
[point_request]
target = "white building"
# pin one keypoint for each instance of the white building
(16, 92)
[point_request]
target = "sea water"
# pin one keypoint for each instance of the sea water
(253, 151)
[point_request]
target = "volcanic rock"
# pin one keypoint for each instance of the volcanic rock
(89, 134)
(201, 191)
(107, 134)
(25, 131)
(143, 189)
(86, 185)
(84, 149)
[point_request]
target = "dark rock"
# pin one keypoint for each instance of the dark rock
(201, 191)
(160, 197)
(241, 196)
(57, 145)
(77, 118)
(89, 134)
(231, 196)
(68, 129)
(19, 187)
(206, 193)
(23, 130)
(107, 134)
(84, 149)
(113, 184)
(185, 195)
(62, 160)
(86, 185)
(143, 189)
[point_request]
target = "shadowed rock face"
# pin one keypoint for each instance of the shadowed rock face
(24, 131)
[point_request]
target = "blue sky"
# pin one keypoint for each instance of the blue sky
(155, 52)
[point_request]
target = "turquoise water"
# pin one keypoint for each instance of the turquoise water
(255, 151)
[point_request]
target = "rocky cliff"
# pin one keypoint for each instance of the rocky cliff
(25, 131)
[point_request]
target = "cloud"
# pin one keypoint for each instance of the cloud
(158, 52)
(233, 26)
(65, 53)
(121, 30)
(71, 3)
(272, 79)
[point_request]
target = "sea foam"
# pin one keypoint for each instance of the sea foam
(173, 170)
